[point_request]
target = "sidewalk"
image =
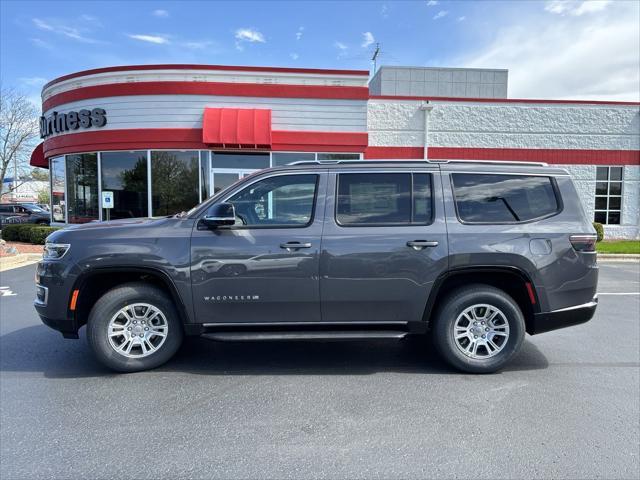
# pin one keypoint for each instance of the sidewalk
(18, 254)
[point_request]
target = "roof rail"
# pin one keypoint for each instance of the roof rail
(380, 160)
(494, 162)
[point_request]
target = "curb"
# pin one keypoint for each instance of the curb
(20, 260)
(618, 257)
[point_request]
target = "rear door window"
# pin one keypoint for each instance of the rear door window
(492, 198)
(383, 199)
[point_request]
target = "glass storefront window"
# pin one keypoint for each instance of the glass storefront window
(82, 187)
(174, 182)
(244, 161)
(58, 205)
(284, 158)
(125, 174)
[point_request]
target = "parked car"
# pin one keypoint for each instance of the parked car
(474, 254)
(23, 213)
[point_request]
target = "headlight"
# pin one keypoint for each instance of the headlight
(55, 251)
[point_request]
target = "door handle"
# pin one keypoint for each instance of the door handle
(294, 245)
(420, 244)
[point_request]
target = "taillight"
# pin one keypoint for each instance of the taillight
(583, 243)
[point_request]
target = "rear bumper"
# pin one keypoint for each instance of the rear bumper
(565, 317)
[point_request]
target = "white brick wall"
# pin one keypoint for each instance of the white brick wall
(481, 125)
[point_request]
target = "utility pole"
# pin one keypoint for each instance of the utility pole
(376, 52)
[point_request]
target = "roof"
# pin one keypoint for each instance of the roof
(181, 66)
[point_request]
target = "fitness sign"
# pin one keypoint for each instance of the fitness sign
(64, 122)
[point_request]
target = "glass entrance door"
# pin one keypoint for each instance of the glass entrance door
(222, 178)
(228, 167)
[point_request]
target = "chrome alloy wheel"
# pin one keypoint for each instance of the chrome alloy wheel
(481, 331)
(137, 330)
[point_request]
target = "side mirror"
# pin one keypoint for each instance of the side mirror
(219, 215)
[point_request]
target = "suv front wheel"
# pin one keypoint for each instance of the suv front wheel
(134, 327)
(478, 329)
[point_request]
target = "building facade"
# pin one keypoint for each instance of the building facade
(162, 138)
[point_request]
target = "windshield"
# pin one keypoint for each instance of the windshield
(33, 208)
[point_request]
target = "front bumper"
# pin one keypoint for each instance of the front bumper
(54, 283)
(565, 317)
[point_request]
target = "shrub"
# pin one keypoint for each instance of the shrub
(27, 233)
(37, 235)
(599, 230)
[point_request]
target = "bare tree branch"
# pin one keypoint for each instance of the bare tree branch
(18, 134)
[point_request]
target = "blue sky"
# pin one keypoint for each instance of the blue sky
(553, 49)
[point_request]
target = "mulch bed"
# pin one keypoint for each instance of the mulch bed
(6, 249)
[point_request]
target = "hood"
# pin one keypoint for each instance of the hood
(108, 229)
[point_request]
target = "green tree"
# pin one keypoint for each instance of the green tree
(43, 196)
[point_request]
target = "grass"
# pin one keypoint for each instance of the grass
(618, 246)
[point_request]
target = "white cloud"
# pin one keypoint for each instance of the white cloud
(155, 39)
(342, 49)
(384, 11)
(431, 3)
(38, 42)
(75, 33)
(592, 57)
(160, 13)
(367, 39)
(576, 8)
(294, 56)
(42, 25)
(197, 45)
(462, 18)
(440, 14)
(249, 35)
(299, 33)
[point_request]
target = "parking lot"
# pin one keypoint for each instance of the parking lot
(567, 407)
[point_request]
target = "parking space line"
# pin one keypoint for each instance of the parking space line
(6, 292)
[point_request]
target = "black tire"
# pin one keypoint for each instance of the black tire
(109, 304)
(456, 303)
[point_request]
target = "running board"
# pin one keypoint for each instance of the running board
(325, 335)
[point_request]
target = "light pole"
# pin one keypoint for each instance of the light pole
(426, 108)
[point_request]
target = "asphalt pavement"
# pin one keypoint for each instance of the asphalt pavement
(567, 407)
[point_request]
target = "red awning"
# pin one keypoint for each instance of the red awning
(237, 127)
(37, 157)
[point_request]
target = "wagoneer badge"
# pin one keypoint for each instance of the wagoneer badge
(231, 298)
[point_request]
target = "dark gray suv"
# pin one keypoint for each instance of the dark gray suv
(11, 213)
(475, 254)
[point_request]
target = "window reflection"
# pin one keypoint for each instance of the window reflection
(174, 182)
(125, 174)
(503, 198)
(82, 187)
(58, 205)
(282, 200)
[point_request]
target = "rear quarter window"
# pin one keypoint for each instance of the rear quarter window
(491, 198)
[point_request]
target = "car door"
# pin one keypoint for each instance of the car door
(6, 211)
(265, 268)
(383, 245)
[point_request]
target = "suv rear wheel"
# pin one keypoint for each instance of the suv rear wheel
(478, 329)
(134, 327)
